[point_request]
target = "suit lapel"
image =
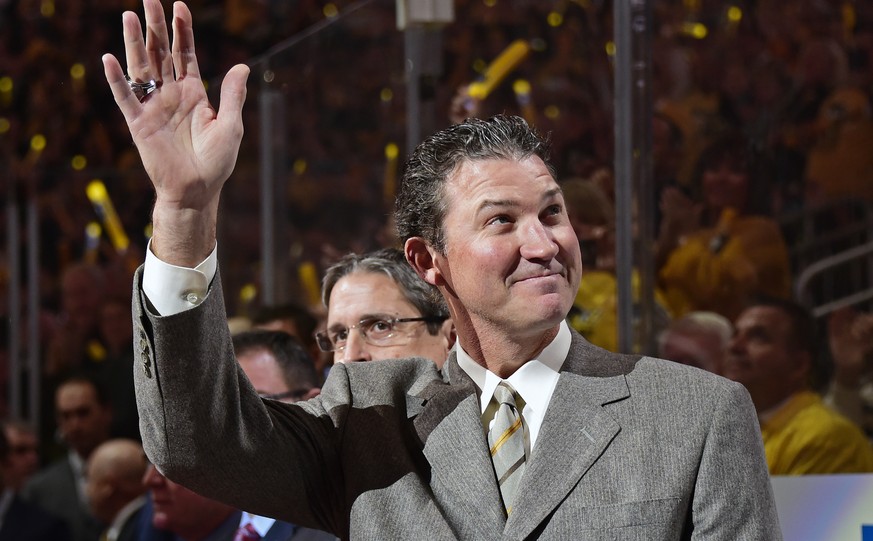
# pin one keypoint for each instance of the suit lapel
(450, 425)
(575, 432)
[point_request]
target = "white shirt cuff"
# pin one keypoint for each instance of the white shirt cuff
(172, 289)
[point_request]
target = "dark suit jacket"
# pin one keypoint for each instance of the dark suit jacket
(54, 489)
(630, 448)
(27, 522)
(284, 531)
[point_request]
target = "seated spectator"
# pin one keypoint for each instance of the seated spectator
(115, 490)
(698, 339)
(279, 369)
(23, 458)
(297, 321)
(774, 354)
(719, 253)
(24, 521)
(83, 416)
(594, 312)
(850, 336)
(174, 513)
(394, 312)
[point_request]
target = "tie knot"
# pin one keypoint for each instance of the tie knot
(247, 533)
(505, 394)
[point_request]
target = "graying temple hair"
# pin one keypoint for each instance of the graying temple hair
(420, 206)
(391, 262)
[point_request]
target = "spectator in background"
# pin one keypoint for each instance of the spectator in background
(850, 337)
(115, 490)
(774, 353)
(717, 249)
(379, 308)
(22, 459)
(23, 521)
(76, 340)
(279, 369)
(300, 323)
(83, 417)
(174, 513)
(698, 339)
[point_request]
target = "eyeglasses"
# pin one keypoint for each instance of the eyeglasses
(295, 396)
(374, 331)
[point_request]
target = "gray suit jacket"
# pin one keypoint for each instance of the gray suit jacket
(630, 448)
(54, 490)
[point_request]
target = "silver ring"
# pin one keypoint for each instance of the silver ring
(141, 90)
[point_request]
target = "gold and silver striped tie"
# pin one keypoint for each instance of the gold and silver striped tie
(508, 446)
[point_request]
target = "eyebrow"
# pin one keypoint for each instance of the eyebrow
(365, 317)
(508, 203)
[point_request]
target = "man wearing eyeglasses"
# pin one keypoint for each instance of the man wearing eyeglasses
(527, 432)
(279, 369)
(379, 308)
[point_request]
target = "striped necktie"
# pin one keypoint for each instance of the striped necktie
(507, 439)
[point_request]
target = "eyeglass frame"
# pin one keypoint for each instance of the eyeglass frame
(321, 338)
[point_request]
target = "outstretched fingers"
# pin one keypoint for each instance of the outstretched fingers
(184, 57)
(125, 99)
(157, 43)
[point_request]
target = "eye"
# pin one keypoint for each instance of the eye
(379, 327)
(499, 220)
(339, 336)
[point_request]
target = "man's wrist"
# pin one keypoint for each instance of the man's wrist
(183, 237)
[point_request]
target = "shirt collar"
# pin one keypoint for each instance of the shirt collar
(261, 524)
(534, 381)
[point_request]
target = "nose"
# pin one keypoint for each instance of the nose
(356, 350)
(152, 477)
(736, 344)
(538, 242)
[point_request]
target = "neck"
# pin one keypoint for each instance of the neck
(503, 354)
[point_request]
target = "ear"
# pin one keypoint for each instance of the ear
(448, 331)
(423, 259)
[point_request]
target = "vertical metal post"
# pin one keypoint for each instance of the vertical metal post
(12, 239)
(34, 372)
(266, 99)
(633, 166)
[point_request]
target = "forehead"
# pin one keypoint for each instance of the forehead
(74, 395)
(362, 294)
(765, 317)
(477, 180)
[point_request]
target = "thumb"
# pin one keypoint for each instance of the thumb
(233, 93)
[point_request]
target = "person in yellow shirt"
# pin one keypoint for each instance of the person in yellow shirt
(717, 249)
(774, 355)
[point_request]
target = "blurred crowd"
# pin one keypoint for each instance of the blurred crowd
(761, 110)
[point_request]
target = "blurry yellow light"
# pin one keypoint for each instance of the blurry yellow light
(299, 166)
(552, 112)
(391, 151)
(78, 162)
(610, 48)
(555, 19)
(330, 11)
(696, 30)
(490, 3)
(479, 65)
(248, 292)
(47, 8)
(37, 142)
(93, 230)
(77, 71)
(5, 84)
(147, 231)
(4, 125)
(734, 14)
(386, 95)
(521, 86)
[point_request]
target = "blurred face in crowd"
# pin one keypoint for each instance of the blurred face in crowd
(512, 260)
(374, 297)
(725, 186)
(703, 350)
(263, 371)
(82, 421)
(23, 459)
(762, 358)
(181, 511)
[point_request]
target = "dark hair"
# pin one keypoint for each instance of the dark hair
(295, 364)
(391, 262)
(803, 335)
(741, 155)
(303, 319)
(421, 204)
